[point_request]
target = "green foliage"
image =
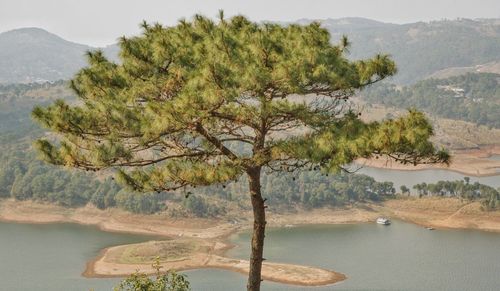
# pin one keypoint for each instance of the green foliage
(17, 160)
(146, 203)
(16, 103)
(171, 281)
(489, 196)
(479, 103)
(23, 177)
(313, 189)
(404, 189)
(104, 195)
(405, 140)
(181, 95)
(199, 206)
(307, 189)
(310, 189)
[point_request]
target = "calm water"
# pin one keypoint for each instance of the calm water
(397, 257)
(374, 257)
(52, 256)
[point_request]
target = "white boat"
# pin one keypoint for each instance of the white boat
(383, 220)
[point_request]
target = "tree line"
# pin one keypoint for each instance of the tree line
(23, 177)
(489, 196)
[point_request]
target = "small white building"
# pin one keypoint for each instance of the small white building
(459, 92)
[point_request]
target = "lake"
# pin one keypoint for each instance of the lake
(398, 257)
(53, 256)
(374, 257)
(401, 256)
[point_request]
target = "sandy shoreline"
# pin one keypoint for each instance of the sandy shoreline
(206, 230)
(435, 211)
(104, 267)
(472, 162)
(213, 234)
(114, 220)
(442, 213)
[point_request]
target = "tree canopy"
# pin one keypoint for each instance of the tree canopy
(182, 94)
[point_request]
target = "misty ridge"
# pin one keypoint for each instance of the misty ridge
(420, 49)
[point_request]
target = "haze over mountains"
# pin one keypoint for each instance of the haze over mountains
(33, 54)
(420, 49)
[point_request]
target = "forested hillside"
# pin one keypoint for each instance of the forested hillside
(471, 97)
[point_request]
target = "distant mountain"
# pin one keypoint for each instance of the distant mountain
(349, 24)
(419, 49)
(492, 67)
(34, 55)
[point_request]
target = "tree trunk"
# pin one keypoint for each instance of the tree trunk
(259, 227)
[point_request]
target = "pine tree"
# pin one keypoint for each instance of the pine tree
(205, 102)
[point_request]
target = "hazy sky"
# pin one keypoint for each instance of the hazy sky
(100, 22)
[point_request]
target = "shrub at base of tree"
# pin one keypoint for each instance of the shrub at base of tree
(170, 281)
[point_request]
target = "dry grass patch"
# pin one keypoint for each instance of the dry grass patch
(166, 251)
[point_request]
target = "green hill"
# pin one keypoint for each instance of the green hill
(473, 97)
